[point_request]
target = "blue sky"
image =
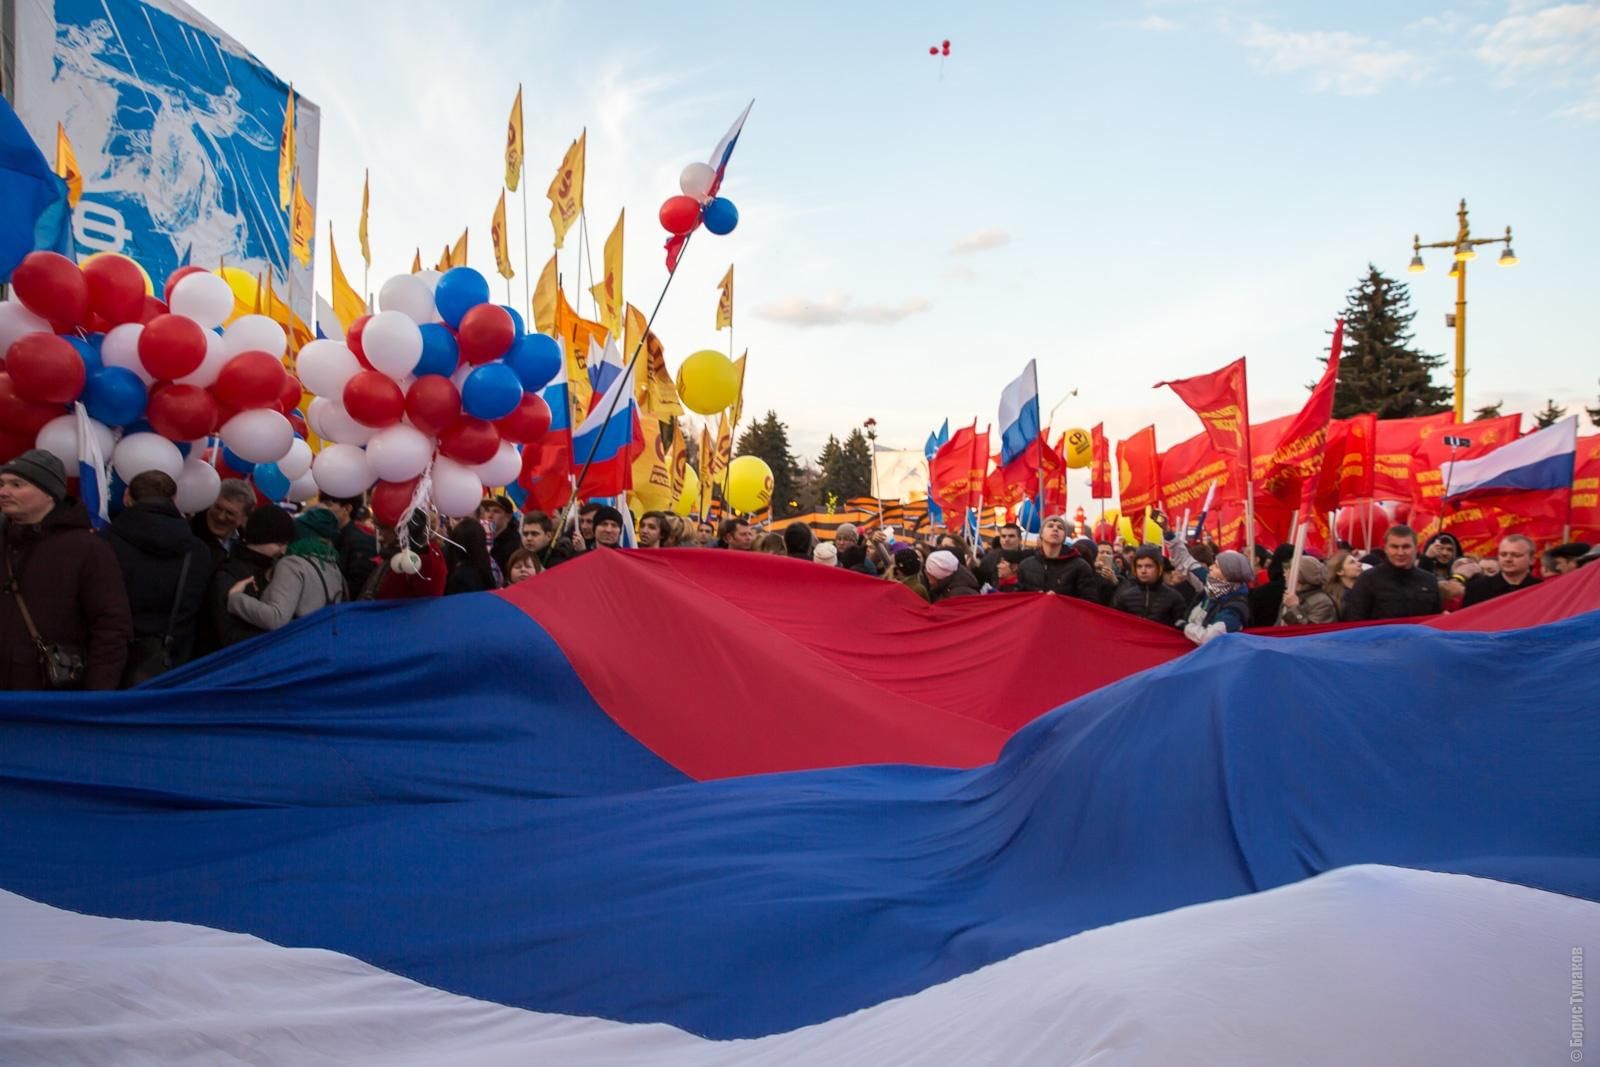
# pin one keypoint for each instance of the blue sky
(1126, 192)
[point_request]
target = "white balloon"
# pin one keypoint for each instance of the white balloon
(254, 333)
(260, 435)
(503, 469)
(409, 295)
(140, 452)
(343, 470)
(456, 490)
(392, 344)
(696, 181)
(296, 461)
(430, 278)
(16, 321)
(59, 437)
(324, 366)
(203, 297)
(459, 378)
(205, 375)
(400, 452)
(303, 488)
(121, 349)
(329, 420)
(197, 485)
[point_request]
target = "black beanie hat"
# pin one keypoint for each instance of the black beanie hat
(607, 513)
(269, 525)
(41, 468)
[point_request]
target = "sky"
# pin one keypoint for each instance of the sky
(1125, 192)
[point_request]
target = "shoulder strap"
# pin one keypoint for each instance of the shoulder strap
(14, 587)
(177, 595)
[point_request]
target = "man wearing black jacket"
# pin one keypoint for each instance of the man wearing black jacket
(1145, 594)
(165, 568)
(1395, 588)
(1057, 568)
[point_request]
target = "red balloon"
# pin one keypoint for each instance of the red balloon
(52, 287)
(181, 412)
(13, 445)
(470, 441)
(174, 278)
(680, 214)
(116, 289)
(290, 396)
(947, 48)
(373, 399)
(224, 413)
(485, 333)
(153, 308)
(352, 339)
(390, 500)
(933, 49)
(172, 346)
(528, 423)
(44, 368)
(1351, 524)
(20, 416)
(251, 380)
(298, 421)
(433, 404)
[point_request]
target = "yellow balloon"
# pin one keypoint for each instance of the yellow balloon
(690, 494)
(1112, 515)
(707, 382)
(1152, 532)
(749, 484)
(244, 289)
(1080, 449)
(149, 286)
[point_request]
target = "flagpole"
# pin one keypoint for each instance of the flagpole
(527, 297)
(1039, 445)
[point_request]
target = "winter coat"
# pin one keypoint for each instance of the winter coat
(217, 550)
(1315, 606)
(152, 540)
(1068, 574)
(1488, 586)
(1215, 616)
(428, 582)
(358, 555)
(961, 583)
(73, 589)
(1387, 592)
(466, 578)
(221, 627)
(1158, 603)
(505, 543)
(299, 586)
(914, 583)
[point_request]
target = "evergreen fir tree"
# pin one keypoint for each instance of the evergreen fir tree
(846, 468)
(1488, 411)
(1549, 416)
(768, 439)
(1594, 414)
(1379, 369)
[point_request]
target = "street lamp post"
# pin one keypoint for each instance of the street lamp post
(1465, 248)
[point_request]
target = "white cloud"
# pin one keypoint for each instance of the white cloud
(960, 273)
(1555, 47)
(1153, 24)
(836, 309)
(1334, 61)
(982, 241)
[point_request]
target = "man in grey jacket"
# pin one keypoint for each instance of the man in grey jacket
(305, 580)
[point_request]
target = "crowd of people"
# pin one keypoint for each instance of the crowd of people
(156, 588)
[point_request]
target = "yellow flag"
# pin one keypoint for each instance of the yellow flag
(67, 166)
(738, 402)
(652, 470)
(608, 293)
(261, 287)
(278, 311)
(302, 224)
(566, 189)
(708, 455)
(725, 302)
(347, 303)
(444, 261)
(514, 145)
(544, 299)
(416, 262)
(458, 254)
(286, 156)
(680, 460)
(724, 445)
(361, 232)
(655, 390)
(497, 234)
(575, 335)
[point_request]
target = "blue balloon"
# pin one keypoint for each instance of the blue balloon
(536, 359)
(459, 291)
(89, 350)
(115, 396)
(491, 392)
(232, 459)
(720, 216)
(184, 448)
(440, 353)
(270, 481)
(516, 319)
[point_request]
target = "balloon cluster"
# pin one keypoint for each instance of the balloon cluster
(941, 49)
(439, 384)
(698, 204)
(157, 377)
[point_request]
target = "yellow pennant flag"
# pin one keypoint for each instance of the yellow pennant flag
(652, 470)
(347, 303)
(576, 335)
(655, 390)
(514, 145)
(361, 231)
(724, 446)
(566, 189)
(286, 156)
(544, 299)
(416, 262)
(444, 260)
(458, 254)
(608, 292)
(67, 166)
(738, 402)
(725, 302)
(680, 460)
(302, 223)
(708, 475)
(497, 235)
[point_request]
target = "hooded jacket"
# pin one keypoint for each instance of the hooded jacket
(1316, 605)
(1068, 574)
(73, 588)
(960, 583)
(151, 540)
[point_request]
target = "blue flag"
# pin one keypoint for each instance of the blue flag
(36, 215)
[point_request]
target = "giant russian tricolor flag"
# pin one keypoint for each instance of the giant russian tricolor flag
(475, 831)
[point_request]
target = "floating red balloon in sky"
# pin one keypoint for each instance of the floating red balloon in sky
(933, 49)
